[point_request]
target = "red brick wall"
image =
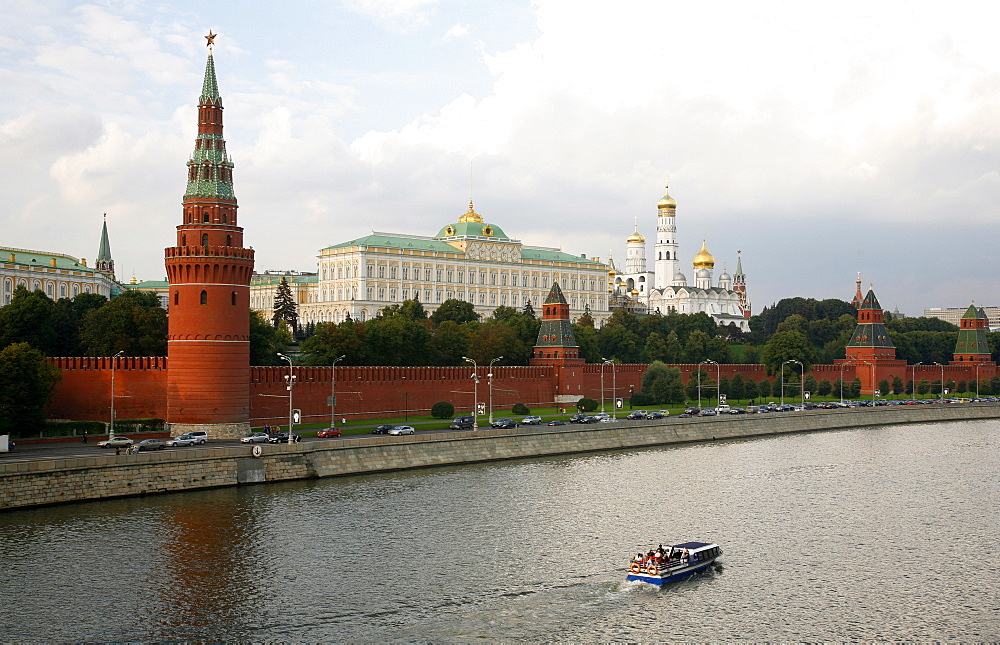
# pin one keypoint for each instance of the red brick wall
(371, 392)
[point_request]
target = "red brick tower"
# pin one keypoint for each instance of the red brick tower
(556, 346)
(972, 346)
(208, 342)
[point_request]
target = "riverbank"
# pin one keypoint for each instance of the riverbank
(60, 481)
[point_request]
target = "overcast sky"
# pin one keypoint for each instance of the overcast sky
(822, 141)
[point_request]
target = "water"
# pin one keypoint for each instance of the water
(877, 534)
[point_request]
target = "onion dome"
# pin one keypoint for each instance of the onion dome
(725, 277)
(680, 278)
(704, 259)
(667, 201)
(636, 238)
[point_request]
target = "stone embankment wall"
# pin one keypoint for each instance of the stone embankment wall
(68, 480)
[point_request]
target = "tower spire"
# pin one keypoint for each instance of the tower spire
(104, 263)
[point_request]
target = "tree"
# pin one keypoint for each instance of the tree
(855, 387)
(824, 387)
(883, 387)
(586, 339)
(784, 346)
(265, 341)
(28, 319)
(663, 384)
(442, 410)
(27, 380)
(67, 322)
(451, 342)
(332, 340)
(765, 388)
(284, 306)
(751, 390)
(655, 349)
(458, 311)
(737, 388)
(133, 323)
(397, 340)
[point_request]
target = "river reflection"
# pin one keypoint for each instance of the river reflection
(874, 534)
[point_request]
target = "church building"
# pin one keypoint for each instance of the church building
(666, 289)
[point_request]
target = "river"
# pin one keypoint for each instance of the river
(875, 534)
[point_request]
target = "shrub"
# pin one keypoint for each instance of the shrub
(586, 405)
(442, 410)
(641, 398)
(70, 428)
(139, 425)
(520, 408)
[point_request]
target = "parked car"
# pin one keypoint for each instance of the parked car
(579, 418)
(692, 411)
(151, 444)
(602, 417)
(589, 419)
(183, 441)
(707, 412)
(662, 414)
(557, 422)
(636, 415)
(531, 421)
(199, 436)
(282, 437)
(383, 428)
(328, 432)
(401, 430)
(463, 423)
(737, 411)
(505, 423)
(257, 437)
(116, 442)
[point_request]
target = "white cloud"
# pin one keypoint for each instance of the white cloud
(404, 15)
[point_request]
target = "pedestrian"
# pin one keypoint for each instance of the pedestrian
(343, 421)
(118, 451)
(84, 436)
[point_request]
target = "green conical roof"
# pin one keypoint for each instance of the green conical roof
(104, 253)
(870, 301)
(210, 88)
(555, 296)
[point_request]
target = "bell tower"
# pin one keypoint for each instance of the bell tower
(208, 337)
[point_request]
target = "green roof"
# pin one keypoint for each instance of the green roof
(210, 87)
(473, 229)
(42, 259)
(275, 278)
(148, 284)
(393, 242)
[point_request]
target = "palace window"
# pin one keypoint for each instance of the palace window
(381, 272)
(438, 273)
(371, 271)
(392, 272)
(461, 277)
(427, 275)
(369, 292)
(406, 272)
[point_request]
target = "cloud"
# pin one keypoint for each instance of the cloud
(401, 15)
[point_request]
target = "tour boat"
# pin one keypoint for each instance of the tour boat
(667, 564)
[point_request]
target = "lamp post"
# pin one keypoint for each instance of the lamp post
(475, 403)
(333, 392)
(914, 372)
(604, 362)
(708, 361)
(114, 360)
(977, 380)
(489, 378)
(802, 379)
(406, 402)
(290, 379)
(841, 382)
(941, 389)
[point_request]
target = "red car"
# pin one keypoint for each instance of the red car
(329, 432)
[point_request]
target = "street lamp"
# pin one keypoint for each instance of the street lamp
(977, 380)
(475, 378)
(114, 360)
(802, 380)
(489, 379)
(604, 362)
(290, 379)
(708, 361)
(871, 365)
(614, 387)
(941, 389)
(841, 382)
(913, 369)
(333, 392)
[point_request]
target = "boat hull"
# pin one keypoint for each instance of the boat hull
(672, 574)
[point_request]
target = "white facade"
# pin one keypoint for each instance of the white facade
(666, 288)
(57, 275)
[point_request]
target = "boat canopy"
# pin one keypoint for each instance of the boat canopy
(694, 546)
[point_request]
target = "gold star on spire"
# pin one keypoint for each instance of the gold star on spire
(210, 38)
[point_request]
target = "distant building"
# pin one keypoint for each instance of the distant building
(954, 315)
(666, 289)
(469, 260)
(264, 286)
(57, 275)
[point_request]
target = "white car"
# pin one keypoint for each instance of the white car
(116, 442)
(533, 420)
(399, 430)
(257, 437)
(183, 440)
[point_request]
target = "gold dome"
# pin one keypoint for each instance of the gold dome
(667, 201)
(636, 237)
(704, 259)
(471, 216)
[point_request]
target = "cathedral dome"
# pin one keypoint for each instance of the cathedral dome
(680, 278)
(704, 259)
(636, 238)
(667, 201)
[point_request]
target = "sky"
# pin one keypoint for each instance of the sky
(821, 140)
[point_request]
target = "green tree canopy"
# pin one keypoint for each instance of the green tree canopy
(27, 380)
(784, 346)
(266, 341)
(458, 311)
(133, 323)
(285, 309)
(28, 319)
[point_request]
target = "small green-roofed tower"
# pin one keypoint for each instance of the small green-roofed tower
(972, 345)
(870, 339)
(555, 336)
